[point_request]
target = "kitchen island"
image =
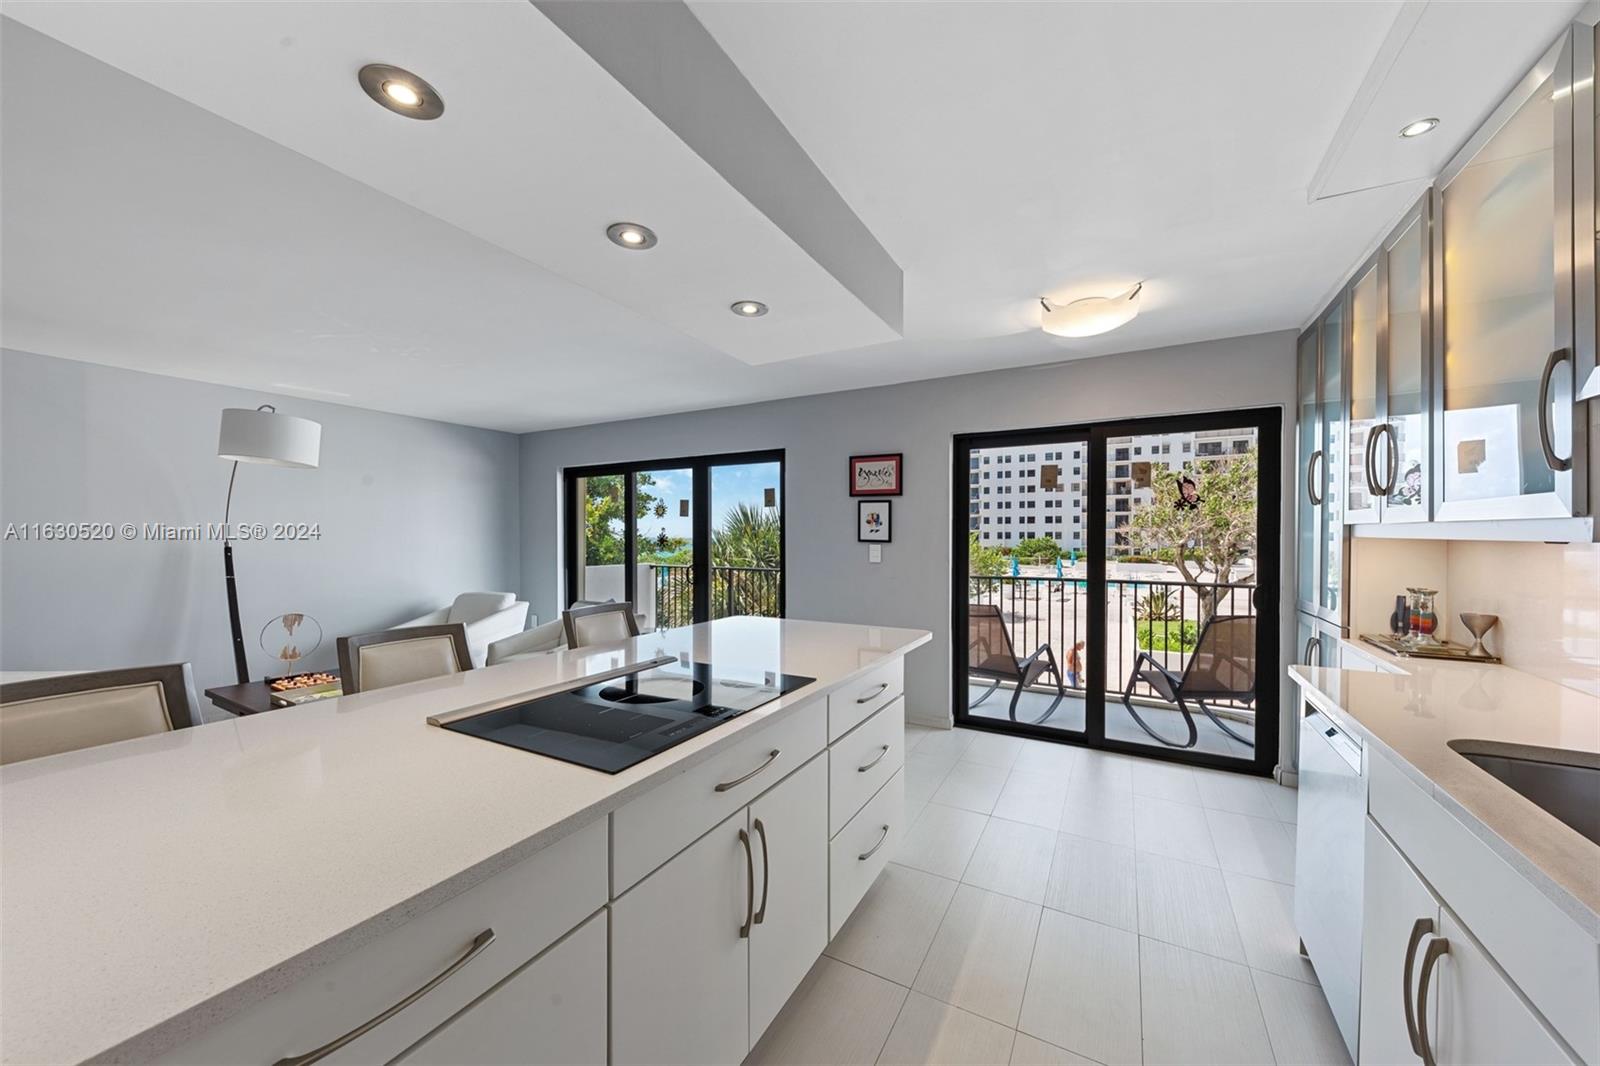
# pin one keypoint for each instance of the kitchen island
(256, 890)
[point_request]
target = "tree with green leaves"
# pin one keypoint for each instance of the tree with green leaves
(1037, 548)
(1204, 540)
(748, 543)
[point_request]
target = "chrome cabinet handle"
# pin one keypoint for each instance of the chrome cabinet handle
(864, 856)
(1391, 460)
(1368, 469)
(1311, 481)
(749, 887)
(766, 875)
(1419, 929)
(1551, 459)
(479, 943)
(1311, 642)
(874, 694)
(1430, 958)
(736, 782)
(863, 769)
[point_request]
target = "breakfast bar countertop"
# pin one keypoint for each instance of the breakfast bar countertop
(1412, 713)
(153, 887)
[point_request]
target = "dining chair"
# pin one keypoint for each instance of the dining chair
(51, 715)
(599, 623)
(370, 661)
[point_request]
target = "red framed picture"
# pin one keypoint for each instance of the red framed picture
(875, 475)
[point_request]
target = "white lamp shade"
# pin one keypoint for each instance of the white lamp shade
(268, 437)
(1091, 316)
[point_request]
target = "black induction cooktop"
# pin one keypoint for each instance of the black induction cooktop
(613, 724)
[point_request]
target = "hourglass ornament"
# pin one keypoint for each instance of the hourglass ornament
(1424, 622)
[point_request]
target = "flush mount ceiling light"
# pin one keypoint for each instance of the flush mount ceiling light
(400, 91)
(1091, 316)
(631, 235)
(1419, 127)
(748, 308)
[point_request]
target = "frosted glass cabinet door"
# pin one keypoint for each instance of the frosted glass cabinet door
(1330, 471)
(1400, 455)
(1505, 224)
(1366, 412)
(1308, 429)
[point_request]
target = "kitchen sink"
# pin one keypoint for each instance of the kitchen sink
(1563, 784)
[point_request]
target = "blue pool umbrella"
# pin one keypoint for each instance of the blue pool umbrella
(1016, 570)
(1058, 566)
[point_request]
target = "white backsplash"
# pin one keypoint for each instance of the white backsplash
(1381, 569)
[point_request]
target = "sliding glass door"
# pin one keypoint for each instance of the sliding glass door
(684, 540)
(1117, 585)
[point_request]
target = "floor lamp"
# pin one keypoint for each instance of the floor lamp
(259, 436)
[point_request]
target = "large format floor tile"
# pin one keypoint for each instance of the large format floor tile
(838, 1015)
(932, 1032)
(894, 924)
(1083, 990)
(1012, 858)
(1264, 912)
(1044, 757)
(1098, 815)
(1035, 797)
(1238, 793)
(1031, 1051)
(941, 840)
(993, 749)
(1165, 780)
(1299, 1022)
(924, 775)
(947, 744)
(1199, 1009)
(1105, 771)
(1177, 830)
(1094, 880)
(972, 786)
(979, 959)
(1256, 847)
(1187, 904)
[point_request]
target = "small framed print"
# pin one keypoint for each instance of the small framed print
(875, 475)
(872, 521)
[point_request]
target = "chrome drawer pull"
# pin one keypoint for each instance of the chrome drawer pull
(749, 887)
(1419, 929)
(1551, 459)
(874, 694)
(479, 942)
(766, 875)
(1436, 948)
(874, 762)
(864, 856)
(736, 782)
(1311, 481)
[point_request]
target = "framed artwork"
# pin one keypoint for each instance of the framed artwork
(872, 521)
(875, 475)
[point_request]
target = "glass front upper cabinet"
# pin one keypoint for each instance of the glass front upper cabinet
(1309, 442)
(1400, 456)
(1329, 473)
(1505, 443)
(1363, 428)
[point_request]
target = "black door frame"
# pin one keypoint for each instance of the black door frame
(699, 467)
(1268, 423)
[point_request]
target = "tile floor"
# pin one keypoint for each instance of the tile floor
(1052, 904)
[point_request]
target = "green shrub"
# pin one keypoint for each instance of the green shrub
(1167, 636)
(1039, 549)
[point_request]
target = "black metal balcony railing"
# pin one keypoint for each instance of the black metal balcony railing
(735, 590)
(1054, 611)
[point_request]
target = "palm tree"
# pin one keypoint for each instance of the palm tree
(750, 538)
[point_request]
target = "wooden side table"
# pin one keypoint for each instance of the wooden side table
(254, 697)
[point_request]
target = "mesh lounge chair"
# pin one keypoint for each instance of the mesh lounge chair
(991, 656)
(1223, 666)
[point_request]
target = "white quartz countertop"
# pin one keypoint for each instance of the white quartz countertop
(1412, 715)
(151, 888)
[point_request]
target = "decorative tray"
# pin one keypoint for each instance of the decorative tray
(1443, 650)
(303, 688)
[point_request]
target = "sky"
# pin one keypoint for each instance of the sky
(730, 485)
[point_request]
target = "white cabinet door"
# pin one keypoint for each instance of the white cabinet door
(552, 1011)
(1481, 1017)
(680, 965)
(790, 830)
(1393, 900)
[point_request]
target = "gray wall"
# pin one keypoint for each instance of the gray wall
(829, 577)
(411, 513)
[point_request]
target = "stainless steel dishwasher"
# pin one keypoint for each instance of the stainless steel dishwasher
(1328, 862)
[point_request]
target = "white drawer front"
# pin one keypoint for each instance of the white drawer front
(654, 827)
(1544, 952)
(856, 701)
(857, 855)
(861, 761)
(567, 880)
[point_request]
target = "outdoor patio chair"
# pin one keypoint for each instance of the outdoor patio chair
(990, 655)
(1223, 666)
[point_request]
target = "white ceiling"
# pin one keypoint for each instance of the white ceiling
(261, 223)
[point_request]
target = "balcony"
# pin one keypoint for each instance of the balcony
(735, 590)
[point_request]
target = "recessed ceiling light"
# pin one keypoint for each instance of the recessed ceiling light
(748, 308)
(400, 91)
(1419, 127)
(1091, 316)
(631, 235)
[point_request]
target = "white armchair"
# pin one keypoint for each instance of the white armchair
(488, 617)
(535, 641)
